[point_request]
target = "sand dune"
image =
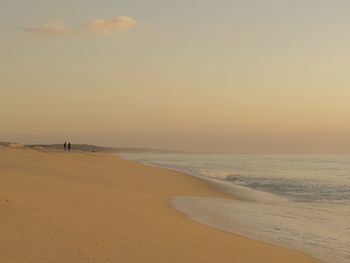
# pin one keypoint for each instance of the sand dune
(94, 207)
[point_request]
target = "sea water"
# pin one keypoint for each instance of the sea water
(299, 201)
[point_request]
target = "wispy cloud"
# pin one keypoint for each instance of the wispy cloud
(56, 28)
(107, 26)
(99, 26)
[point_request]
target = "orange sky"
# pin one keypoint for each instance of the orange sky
(228, 76)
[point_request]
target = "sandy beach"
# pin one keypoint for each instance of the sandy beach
(95, 207)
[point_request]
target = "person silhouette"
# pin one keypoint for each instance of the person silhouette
(65, 146)
(69, 146)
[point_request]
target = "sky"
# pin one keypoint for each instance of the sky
(223, 76)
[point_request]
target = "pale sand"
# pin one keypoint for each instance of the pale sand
(85, 207)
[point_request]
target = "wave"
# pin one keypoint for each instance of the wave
(245, 193)
(218, 174)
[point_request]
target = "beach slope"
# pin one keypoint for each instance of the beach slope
(95, 207)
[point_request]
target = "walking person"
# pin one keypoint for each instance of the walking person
(65, 146)
(69, 145)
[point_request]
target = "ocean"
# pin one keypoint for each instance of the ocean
(297, 201)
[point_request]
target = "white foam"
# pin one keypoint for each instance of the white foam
(217, 174)
(245, 193)
(310, 229)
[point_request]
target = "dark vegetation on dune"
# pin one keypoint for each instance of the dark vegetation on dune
(94, 148)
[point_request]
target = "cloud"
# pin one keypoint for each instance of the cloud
(101, 26)
(106, 26)
(56, 28)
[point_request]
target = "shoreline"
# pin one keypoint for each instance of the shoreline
(97, 207)
(294, 219)
(232, 192)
